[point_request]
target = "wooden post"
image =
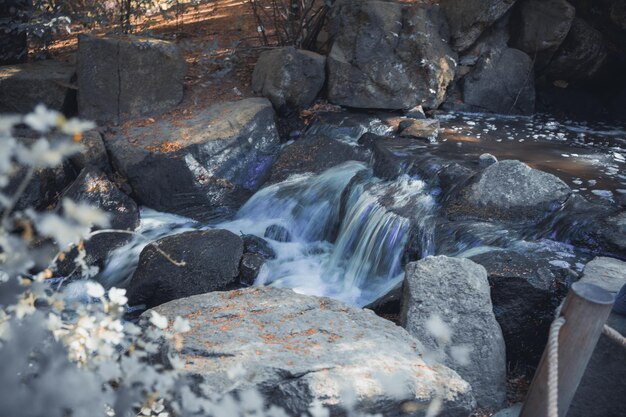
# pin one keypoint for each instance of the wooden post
(586, 310)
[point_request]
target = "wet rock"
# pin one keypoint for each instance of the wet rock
(298, 349)
(211, 260)
(525, 290)
(512, 411)
(124, 77)
(258, 245)
(485, 160)
(278, 233)
(315, 153)
(613, 232)
(457, 291)
(388, 304)
(539, 27)
(469, 19)
(24, 86)
(251, 264)
(387, 55)
(425, 128)
(93, 155)
(511, 189)
(602, 390)
(416, 112)
(94, 188)
(392, 157)
(581, 56)
(289, 77)
(203, 166)
(502, 82)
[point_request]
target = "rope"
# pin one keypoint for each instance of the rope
(553, 367)
(614, 335)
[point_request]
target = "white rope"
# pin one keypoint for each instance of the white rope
(614, 335)
(553, 367)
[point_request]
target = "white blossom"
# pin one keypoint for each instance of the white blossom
(85, 214)
(43, 155)
(43, 119)
(118, 296)
(76, 126)
(439, 329)
(158, 320)
(181, 325)
(94, 289)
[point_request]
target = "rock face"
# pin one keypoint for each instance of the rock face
(501, 82)
(211, 264)
(13, 41)
(202, 166)
(539, 27)
(457, 291)
(468, 19)
(614, 232)
(24, 86)
(423, 128)
(387, 55)
(512, 189)
(581, 55)
(289, 76)
(602, 390)
(94, 188)
(297, 349)
(121, 77)
(525, 291)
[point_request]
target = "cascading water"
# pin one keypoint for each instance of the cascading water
(354, 256)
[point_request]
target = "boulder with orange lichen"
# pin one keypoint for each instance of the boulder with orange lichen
(297, 350)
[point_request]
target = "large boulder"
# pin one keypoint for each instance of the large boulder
(94, 188)
(581, 55)
(458, 292)
(289, 77)
(122, 77)
(602, 390)
(204, 165)
(211, 263)
(510, 189)
(93, 154)
(297, 350)
(469, 19)
(539, 27)
(525, 290)
(387, 55)
(501, 82)
(24, 86)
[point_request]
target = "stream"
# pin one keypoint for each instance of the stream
(350, 230)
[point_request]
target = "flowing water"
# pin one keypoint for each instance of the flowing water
(350, 230)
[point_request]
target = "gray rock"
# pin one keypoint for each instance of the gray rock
(249, 268)
(278, 233)
(539, 27)
(525, 291)
(94, 188)
(24, 86)
(607, 273)
(613, 232)
(258, 245)
(13, 38)
(458, 292)
(469, 19)
(204, 165)
(289, 77)
(485, 160)
(423, 128)
(387, 55)
(211, 264)
(502, 82)
(581, 55)
(602, 390)
(124, 77)
(297, 349)
(93, 155)
(511, 189)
